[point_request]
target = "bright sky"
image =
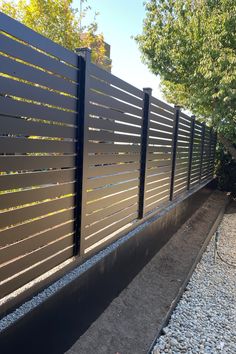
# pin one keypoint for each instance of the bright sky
(118, 20)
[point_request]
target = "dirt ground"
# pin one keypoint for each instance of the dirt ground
(131, 322)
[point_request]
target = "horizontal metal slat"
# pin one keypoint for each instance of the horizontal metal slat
(31, 56)
(104, 112)
(196, 158)
(158, 156)
(157, 141)
(181, 182)
(112, 137)
(160, 115)
(113, 80)
(14, 199)
(112, 158)
(32, 243)
(25, 72)
(159, 169)
(157, 189)
(15, 216)
(183, 136)
(21, 180)
(161, 149)
(21, 162)
(181, 162)
(110, 190)
(181, 179)
(112, 169)
(19, 264)
(197, 138)
(158, 126)
(182, 159)
(194, 184)
(156, 182)
(106, 88)
(154, 176)
(111, 209)
(162, 163)
(11, 107)
(101, 224)
(18, 30)
(182, 150)
(35, 271)
(155, 197)
(108, 202)
(112, 125)
(184, 122)
(160, 135)
(179, 191)
(183, 130)
(158, 119)
(11, 145)
(25, 91)
(162, 104)
(195, 175)
(113, 103)
(157, 204)
(24, 127)
(103, 181)
(185, 116)
(180, 170)
(24, 231)
(112, 228)
(112, 148)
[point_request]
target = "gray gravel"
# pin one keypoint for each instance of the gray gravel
(204, 320)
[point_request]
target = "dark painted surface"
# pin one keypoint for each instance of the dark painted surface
(109, 174)
(54, 325)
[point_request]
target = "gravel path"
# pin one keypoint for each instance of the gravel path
(204, 320)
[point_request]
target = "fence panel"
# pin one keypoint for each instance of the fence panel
(182, 154)
(206, 155)
(196, 157)
(114, 121)
(38, 120)
(83, 155)
(159, 155)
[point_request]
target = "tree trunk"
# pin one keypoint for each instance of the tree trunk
(228, 146)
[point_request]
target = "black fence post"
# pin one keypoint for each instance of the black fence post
(174, 147)
(144, 150)
(84, 58)
(202, 150)
(191, 151)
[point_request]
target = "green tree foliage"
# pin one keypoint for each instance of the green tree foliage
(59, 21)
(191, 44)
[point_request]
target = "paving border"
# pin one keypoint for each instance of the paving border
(183, 286)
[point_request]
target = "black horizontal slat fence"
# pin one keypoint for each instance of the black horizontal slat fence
(38, 123)
(84, 156)
(114, 123)
(159, 154)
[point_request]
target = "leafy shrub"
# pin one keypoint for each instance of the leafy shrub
(225, 171)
